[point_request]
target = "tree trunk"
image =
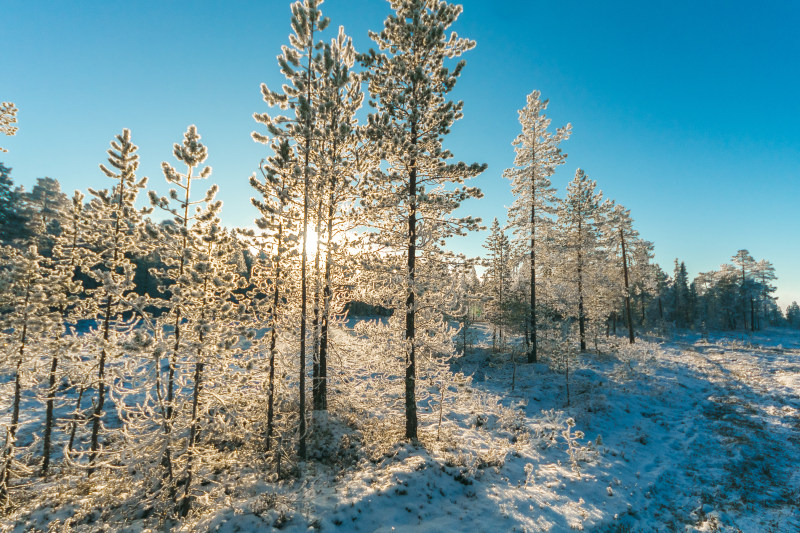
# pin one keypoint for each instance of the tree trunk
(273, 339)
(8, 454)
(411, 362)
(48, 425)
(198, 386)
(627, 288)
(533, 351)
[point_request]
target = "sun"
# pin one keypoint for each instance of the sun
(311, 242)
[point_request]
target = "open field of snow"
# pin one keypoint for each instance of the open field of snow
(690, 434)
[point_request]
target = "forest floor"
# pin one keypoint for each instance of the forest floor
(697, 434)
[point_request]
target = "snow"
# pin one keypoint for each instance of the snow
(691, 433)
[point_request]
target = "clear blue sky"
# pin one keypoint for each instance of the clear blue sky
(686, 112)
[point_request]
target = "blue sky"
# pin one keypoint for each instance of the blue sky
(685, 112)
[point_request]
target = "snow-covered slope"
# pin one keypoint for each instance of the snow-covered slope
(690, 434)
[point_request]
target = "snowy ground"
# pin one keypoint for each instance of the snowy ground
(690, 434)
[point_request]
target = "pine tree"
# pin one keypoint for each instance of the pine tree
(68, 254)
(498, 277)
(214, 331)
(746, 264)
(764, 274)
(408, 83)
(179, 250)
(302, 64)
(28, 320)
(537, 156)
(793, 315)
(114, 225)
(276, 244)
(342, 159)
(624, 234)
(680, 286)
(578, 218)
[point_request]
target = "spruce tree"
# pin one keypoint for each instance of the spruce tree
(537, 156)
(409, 82)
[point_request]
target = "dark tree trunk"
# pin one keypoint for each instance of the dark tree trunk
(581, 317)
(48, 425)
(411, 362)
(193, 431)
(627, 288)
(273, 340)
(533, 351)
(8, 454)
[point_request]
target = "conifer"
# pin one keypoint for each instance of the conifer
(409, 81)
(114, 224)
(537, 156)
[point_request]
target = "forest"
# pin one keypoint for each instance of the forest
(153, 357)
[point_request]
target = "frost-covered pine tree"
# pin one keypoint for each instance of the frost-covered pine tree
(28, 325)
(213, 320)
(764, 274)
(626, 239)
(498, 277)
(537, 156)
(302, 64)
(69, 252)
(341, 160)
(114, 233)
(412, 195)
(179, 248)
(746, 264)
(578, 217)
(276, 245)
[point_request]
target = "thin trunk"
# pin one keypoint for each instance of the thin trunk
(274, 338)
(315, 323)
(581, 318)
(533, 348)
(302, 452)
(641, 301)
(101, 384)
(11, 435)
(744, 299)
(627, 288)
(411, 362)
(327, 295)
(76, 415)
(752, 315)
(198, 387)
(166, 460)
(48, 426)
